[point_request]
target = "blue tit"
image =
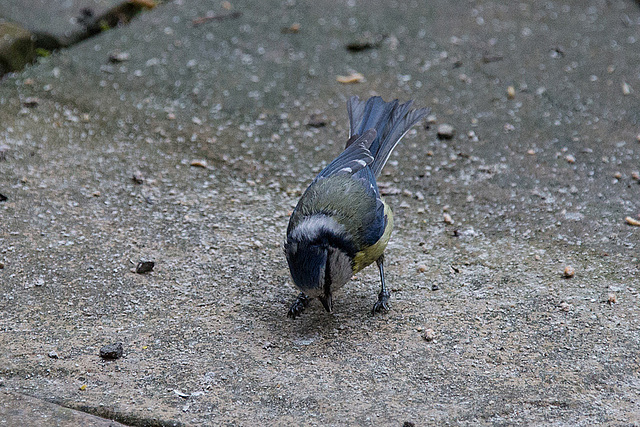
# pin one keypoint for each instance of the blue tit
(341, 223)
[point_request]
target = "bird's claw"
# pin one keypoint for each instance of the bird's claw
(298, 306)
(382, 304)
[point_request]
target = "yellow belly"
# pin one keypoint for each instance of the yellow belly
(372, 253)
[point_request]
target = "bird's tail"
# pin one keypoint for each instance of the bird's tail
(391, 120)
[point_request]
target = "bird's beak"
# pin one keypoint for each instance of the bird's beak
(326, 302)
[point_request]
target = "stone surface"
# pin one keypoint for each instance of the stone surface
(16, 47)
(515, 342)
(20, 410)
(57, 18)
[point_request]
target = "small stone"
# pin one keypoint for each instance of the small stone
(117, 57)
(447, 218)
(570, 159)
(52, 354)
(511, 92)
(446, 131)
(531, 152)
(422, 268)
(293, 29)
(617, 175)
(316, 121)
(137, 177)
(31, 102)
(565, 306)
(429, 335)
(435, 287)
(611, 299)
(112, 351)
(635, 176)
(569, 272)
(145, 267)
(626, 88)
(83, 387)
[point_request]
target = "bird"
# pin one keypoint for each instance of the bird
(341, 224)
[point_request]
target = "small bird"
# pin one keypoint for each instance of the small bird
(341, 224)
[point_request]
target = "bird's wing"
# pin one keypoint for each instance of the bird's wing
(354, 158)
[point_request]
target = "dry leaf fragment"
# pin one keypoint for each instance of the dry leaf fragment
(632, 221)
(199, 163)
(351, 78)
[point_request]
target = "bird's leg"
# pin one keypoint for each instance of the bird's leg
(298, 306)
(383, 296)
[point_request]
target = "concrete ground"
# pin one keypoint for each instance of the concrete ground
(192, 148)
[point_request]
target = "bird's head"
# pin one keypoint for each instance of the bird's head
(317, 251)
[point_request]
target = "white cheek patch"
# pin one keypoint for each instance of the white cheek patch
(311, 226)
(341, 270)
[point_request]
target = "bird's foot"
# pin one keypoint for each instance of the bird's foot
(298, 306)
(382, 304)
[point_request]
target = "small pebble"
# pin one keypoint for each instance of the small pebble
(617, 175)
(569, 272)
(52, 354)
(565, 306)
(117, 57)
(316, 121)
(635, 176)
(445, 131)
(435, 287)
(611, 299)
(112, 351)
(422, 268)
(137, 177)
(31, 102)
(626, 88)
(429, 335)
(570, 159)
(447, 218)
(511, 92)
(145, 267)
